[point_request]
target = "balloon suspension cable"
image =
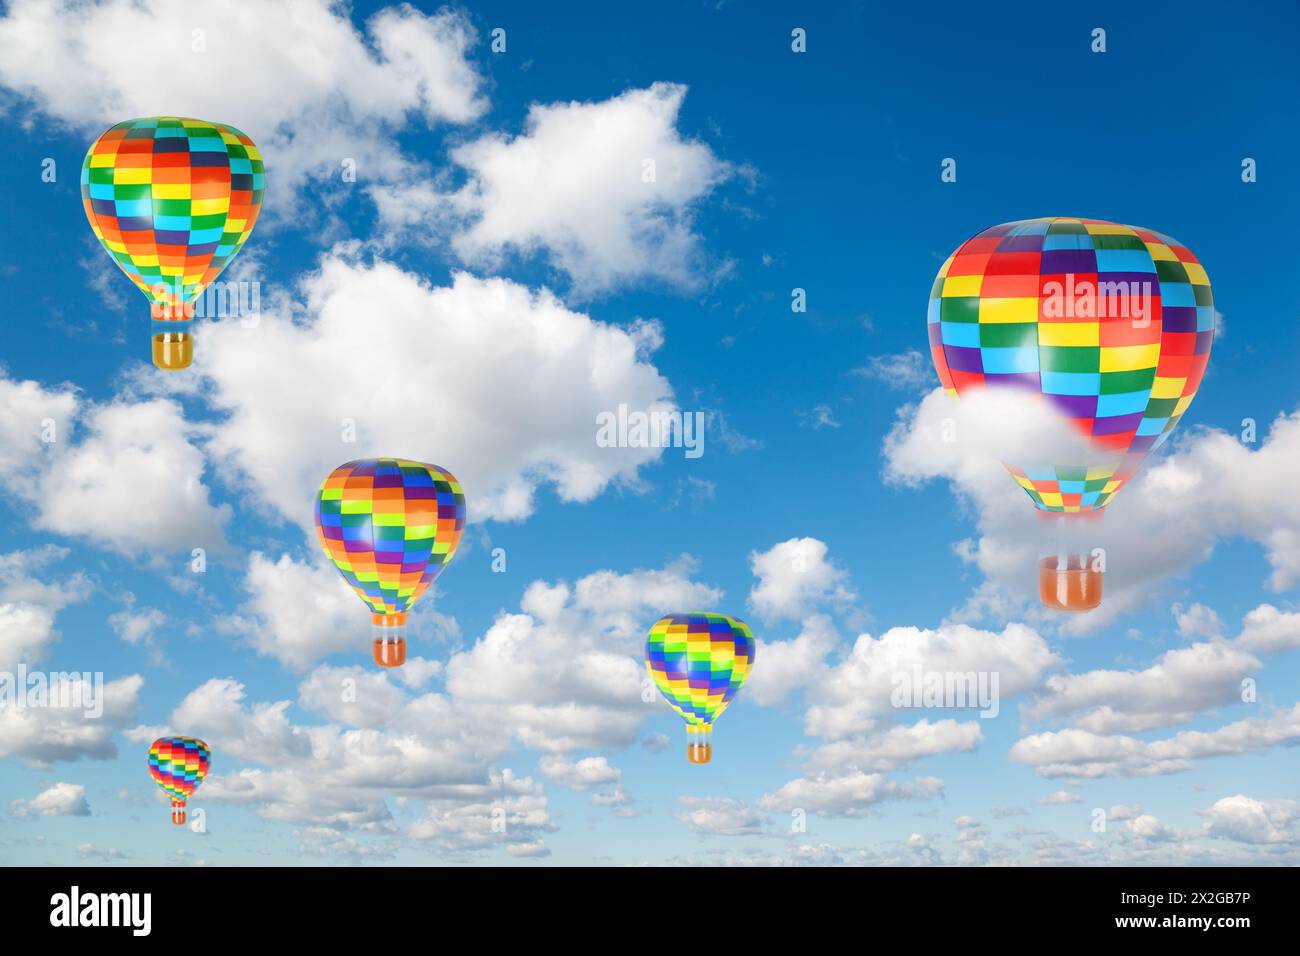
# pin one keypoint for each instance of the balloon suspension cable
(699, 743)
(388, 646)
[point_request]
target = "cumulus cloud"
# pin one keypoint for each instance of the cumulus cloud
(298, 613)
(1247, 820)
(138, 626)
(581, 774)
(1208, 485)
(1148, 827)
(860, 689)
(25, 630)
(513, 814)
(42, 736)
(795, 576)
(60, 800)
(848, 795)
(296, 75)
(576, 186)
(1180, 684)
(133, 453)
(499, 384)
(789, 665)
(337, 774)
(1084, 754)
(385, 738)
(720, 816)
(896, 747)
(1060, 798)
(29, 604)
(33, 419)
(624, 602)
(524, 669)
(85, 468)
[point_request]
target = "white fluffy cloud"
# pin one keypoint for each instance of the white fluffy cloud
(1103, 706)
(45, 735)
(576, 186)
(579, 774)
(133, 481)
(795, 576)
(789, 665)
(513, 812)
(299, 613)
(1060, 798)
(28, 606)
(720, 816)
(296, 75)
(1208, 486)
(60, 800)
(625, 604)
(86, 469)
(25, 629)
(1084, 754)
(138, 626)
(551, 676)
(1247, 820)
(31, 415)
(563, 673)
(847, 795)
(496, 383)
(1181, 683)
(896, 747)
(859, 690)
(381, 743)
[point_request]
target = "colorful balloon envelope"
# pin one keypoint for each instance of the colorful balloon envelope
(1111, 325)
(390, 525)
(699, 661)
(172, 200)
(178, 765)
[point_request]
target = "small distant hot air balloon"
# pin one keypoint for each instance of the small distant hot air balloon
(1110, 324)
(172, 200)
(178, 765)
(699, 661)
(390, 526)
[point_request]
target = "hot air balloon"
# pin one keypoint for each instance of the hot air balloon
(178, 765)
(1111, 325)
(390, 526)
(699, 661)
(172, 200)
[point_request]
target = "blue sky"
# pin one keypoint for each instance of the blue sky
(818, 171)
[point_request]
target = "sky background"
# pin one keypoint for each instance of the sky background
(497, 275)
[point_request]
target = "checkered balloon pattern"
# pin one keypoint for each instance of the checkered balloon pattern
(390, 526)
(178, 765)
(699, 662)
(1111, 324)
(172, 200)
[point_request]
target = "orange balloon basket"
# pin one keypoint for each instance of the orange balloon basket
(389, 646)
(1070, 586)
(178, 814)
(699, 744)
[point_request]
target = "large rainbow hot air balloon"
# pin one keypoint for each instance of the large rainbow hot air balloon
(390, 526)
(1110, 324)
(178, 765)
(699, 661)
(172, 200)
